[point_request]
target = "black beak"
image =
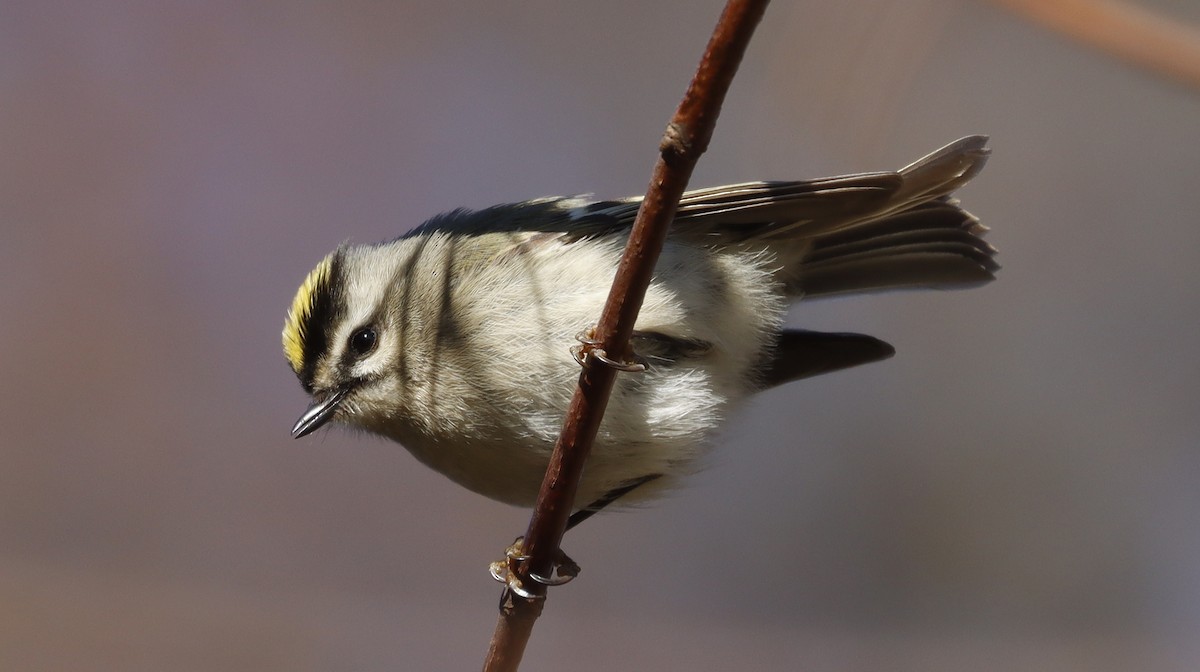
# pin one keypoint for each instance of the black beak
(318, 414)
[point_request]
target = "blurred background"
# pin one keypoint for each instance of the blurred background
(1017, 489)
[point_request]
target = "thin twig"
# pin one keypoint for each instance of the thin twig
(686, 139)
(1162, 45)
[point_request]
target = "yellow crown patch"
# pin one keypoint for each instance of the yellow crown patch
(295, 326)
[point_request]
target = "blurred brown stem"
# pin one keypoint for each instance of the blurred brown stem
(1157, 43)
(686, 138)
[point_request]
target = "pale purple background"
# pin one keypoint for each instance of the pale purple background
(1017, 490)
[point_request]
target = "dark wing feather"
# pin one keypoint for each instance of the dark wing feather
(763, 210)
(831, 235)
(552, 214)
(778, 211)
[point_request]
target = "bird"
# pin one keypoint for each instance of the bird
(454, 338)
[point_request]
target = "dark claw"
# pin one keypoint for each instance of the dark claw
(590, 351)
(505, 572)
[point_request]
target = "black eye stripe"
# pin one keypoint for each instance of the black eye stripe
(362, 341)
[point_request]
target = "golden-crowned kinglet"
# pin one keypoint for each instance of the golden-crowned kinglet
(454, 339)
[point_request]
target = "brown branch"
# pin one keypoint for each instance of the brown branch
(686, 138)
(1162, 45)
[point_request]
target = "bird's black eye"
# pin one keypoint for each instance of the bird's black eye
(362, 341)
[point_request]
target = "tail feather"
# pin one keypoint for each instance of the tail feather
(942, 214)
(936, 245)
(930, 270)
(908, 241)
